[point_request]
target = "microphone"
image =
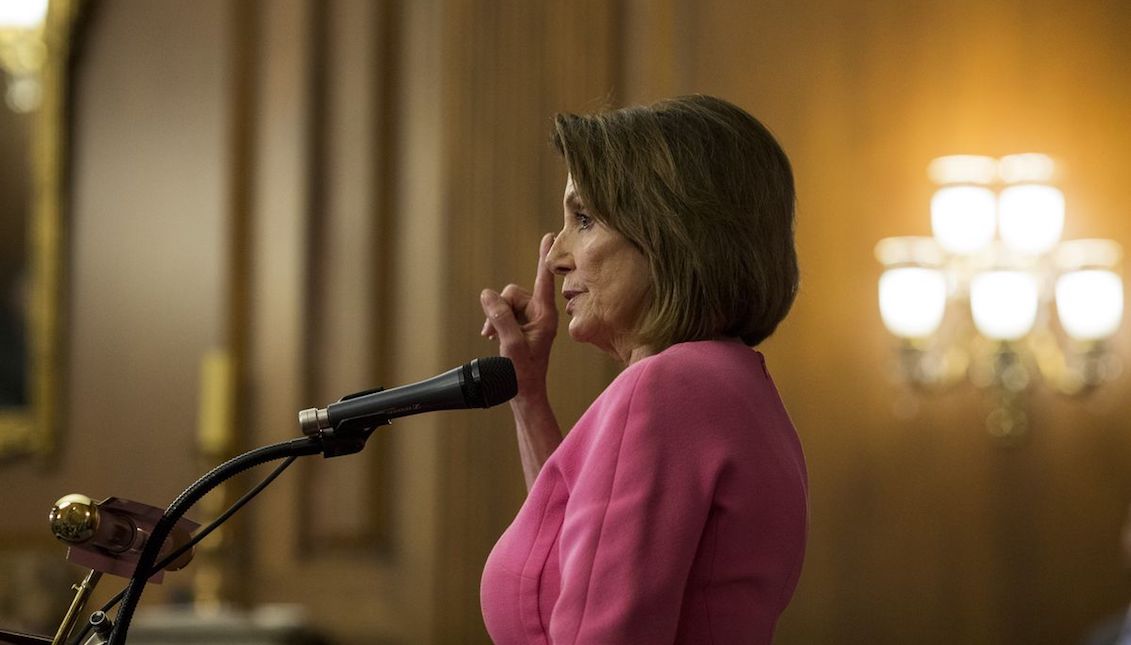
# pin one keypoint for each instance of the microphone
(110, 535)
(481, 383)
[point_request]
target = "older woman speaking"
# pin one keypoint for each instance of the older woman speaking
(675, 509)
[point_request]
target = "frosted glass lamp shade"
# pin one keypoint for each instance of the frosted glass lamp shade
(1087, 254)
(1004, 304)
(1029, 167)
(962, 218)
(1089, 303)
(912, 301)
(1031, 217)
(963, 169)
(909, 251)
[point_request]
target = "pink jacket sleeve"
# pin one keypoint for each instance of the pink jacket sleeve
(633, 522)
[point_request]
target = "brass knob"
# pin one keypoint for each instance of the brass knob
(74, 518)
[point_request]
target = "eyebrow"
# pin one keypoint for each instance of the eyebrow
(573, 200)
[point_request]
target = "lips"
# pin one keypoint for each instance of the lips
(570, 294)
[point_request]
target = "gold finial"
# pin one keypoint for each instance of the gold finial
(74, 518)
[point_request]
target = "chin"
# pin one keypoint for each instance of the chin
(577, 330)
(583, 331)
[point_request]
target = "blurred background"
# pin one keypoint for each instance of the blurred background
(258, 206)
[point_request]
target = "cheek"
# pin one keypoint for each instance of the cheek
(635, 281)
(595, 314)
(625, 292)
(618, 281)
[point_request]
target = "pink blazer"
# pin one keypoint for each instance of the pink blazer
(674, 511)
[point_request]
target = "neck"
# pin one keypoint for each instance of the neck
(637, 354)
(628, 354)
(628, 350)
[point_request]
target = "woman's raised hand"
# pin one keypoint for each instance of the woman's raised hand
(525, 324)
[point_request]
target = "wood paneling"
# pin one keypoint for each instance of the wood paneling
(381, 162)
(313, 335)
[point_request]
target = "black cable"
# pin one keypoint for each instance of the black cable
(196, 538)
(191, 495)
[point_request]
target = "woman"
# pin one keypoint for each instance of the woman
(675, 510)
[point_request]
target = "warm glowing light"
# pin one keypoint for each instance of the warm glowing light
(1028, 168)
(1088, 254)
(963, 169)
(1031, 217)
(912, 301)
(962, 218)
(913, 250)
(997, 226)
(1004, 303)
(1090, 303)
(22, 14)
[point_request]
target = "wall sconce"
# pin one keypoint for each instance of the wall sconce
(22, 51)
(1000, 310)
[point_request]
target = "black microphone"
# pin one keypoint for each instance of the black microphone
(481, 383)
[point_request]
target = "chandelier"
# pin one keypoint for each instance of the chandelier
(995, 297)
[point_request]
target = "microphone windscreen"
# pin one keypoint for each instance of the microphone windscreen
(496, 380)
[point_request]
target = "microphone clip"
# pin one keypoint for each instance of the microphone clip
(349, 435)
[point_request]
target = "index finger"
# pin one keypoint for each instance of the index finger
(544, 278)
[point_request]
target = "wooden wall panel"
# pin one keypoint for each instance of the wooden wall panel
(280, 259)
(323, 537)
(399, 149)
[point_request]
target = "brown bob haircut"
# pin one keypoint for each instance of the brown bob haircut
(706, 194)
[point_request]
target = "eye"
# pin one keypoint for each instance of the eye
(584, 222)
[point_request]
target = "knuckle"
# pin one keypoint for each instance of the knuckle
(512, 290)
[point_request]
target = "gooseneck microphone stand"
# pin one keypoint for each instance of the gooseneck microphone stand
(340, 429)
(218, 475)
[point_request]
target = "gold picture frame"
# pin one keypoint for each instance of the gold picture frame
(32, 430)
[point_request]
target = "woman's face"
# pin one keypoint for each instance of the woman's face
(606, 280)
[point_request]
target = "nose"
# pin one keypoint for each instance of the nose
(558, 258)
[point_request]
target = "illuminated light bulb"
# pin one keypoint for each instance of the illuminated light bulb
(1004, 303)
(963, 169)
(22, 14)
(1031, 217)
(1089, 303)
(962, 218)
(912, 301)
